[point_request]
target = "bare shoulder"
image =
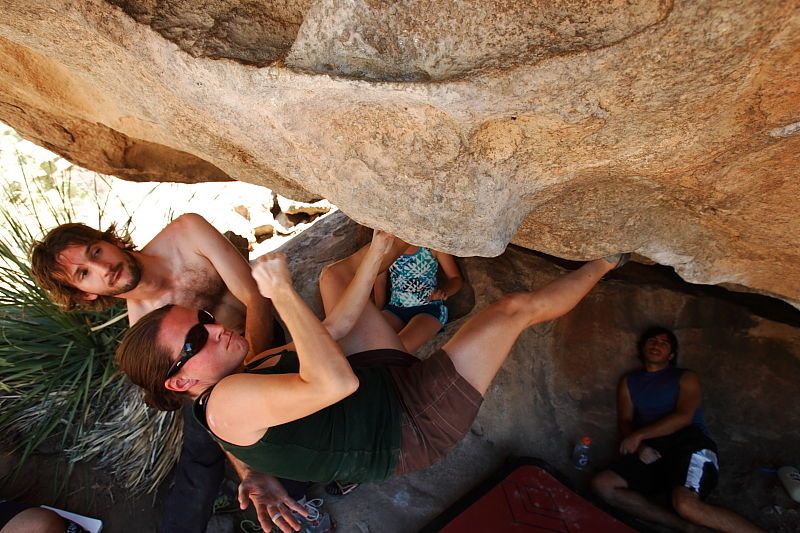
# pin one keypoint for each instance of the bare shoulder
(622, 389)
(447, 262)
(184, 225)
(191, 220)
(187, 225)
(138, 308)
(163, 241)
(690, 378)
(181, 236)
(230, 408)
(136, 311)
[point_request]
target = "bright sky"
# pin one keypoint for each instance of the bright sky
(151, 205)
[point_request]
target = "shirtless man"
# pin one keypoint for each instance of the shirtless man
(189, 263)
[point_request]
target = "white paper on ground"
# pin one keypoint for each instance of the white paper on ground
(92, 525)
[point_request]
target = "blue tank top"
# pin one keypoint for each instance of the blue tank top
(655, 395)
(413, 278)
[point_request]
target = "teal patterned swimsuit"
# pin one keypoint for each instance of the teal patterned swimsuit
(412, 280)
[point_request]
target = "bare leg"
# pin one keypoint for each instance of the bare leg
(483, 343)
(690, 507)
(348, 266)
(393, 321)
(419, 330)
(371, 331)
(614, 490)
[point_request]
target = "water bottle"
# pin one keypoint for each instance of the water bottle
(790, 477)
(580, 454)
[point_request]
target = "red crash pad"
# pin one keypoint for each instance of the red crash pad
(528, 499)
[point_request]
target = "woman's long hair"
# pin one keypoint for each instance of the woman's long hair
(146, 363)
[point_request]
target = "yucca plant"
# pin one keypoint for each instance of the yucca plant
(58, 385)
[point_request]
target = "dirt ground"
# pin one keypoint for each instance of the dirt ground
(92, 494)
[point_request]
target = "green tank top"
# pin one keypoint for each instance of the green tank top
(356, 439)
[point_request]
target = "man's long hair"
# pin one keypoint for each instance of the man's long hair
(50, 275)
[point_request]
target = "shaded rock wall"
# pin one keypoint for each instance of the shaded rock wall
(426, 40)
(254, 32)
(560, 380)
(573, 128)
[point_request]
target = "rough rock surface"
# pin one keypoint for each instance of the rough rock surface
(560, 380)
(572, 128)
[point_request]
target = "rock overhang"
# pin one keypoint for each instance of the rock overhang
(668, 129)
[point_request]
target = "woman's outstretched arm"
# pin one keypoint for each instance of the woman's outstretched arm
(381, 289)
(349, 306)
(344, 314)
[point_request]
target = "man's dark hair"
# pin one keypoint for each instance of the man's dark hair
(654, 331)
(49, 274)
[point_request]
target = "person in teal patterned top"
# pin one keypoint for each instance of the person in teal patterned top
(416, 308)
(344, 400)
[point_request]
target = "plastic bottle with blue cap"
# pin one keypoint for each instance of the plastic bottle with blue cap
(580, 454)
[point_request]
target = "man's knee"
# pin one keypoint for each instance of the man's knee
(687, 504)
(606, 483)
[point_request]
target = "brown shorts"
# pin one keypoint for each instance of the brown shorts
(438, 408)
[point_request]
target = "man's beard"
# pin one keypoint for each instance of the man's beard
(135, 270)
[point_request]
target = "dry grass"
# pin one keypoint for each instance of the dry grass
(58, 385)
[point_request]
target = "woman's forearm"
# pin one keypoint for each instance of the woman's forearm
(666, 426)
(321, 359)
(258, 323)
(452, 286)
(344, 315)
(379, 293)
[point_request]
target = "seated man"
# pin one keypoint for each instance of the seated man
(308, 414)
(188, 263)
(666, 445)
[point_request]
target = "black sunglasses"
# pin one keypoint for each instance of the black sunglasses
(196, 339)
